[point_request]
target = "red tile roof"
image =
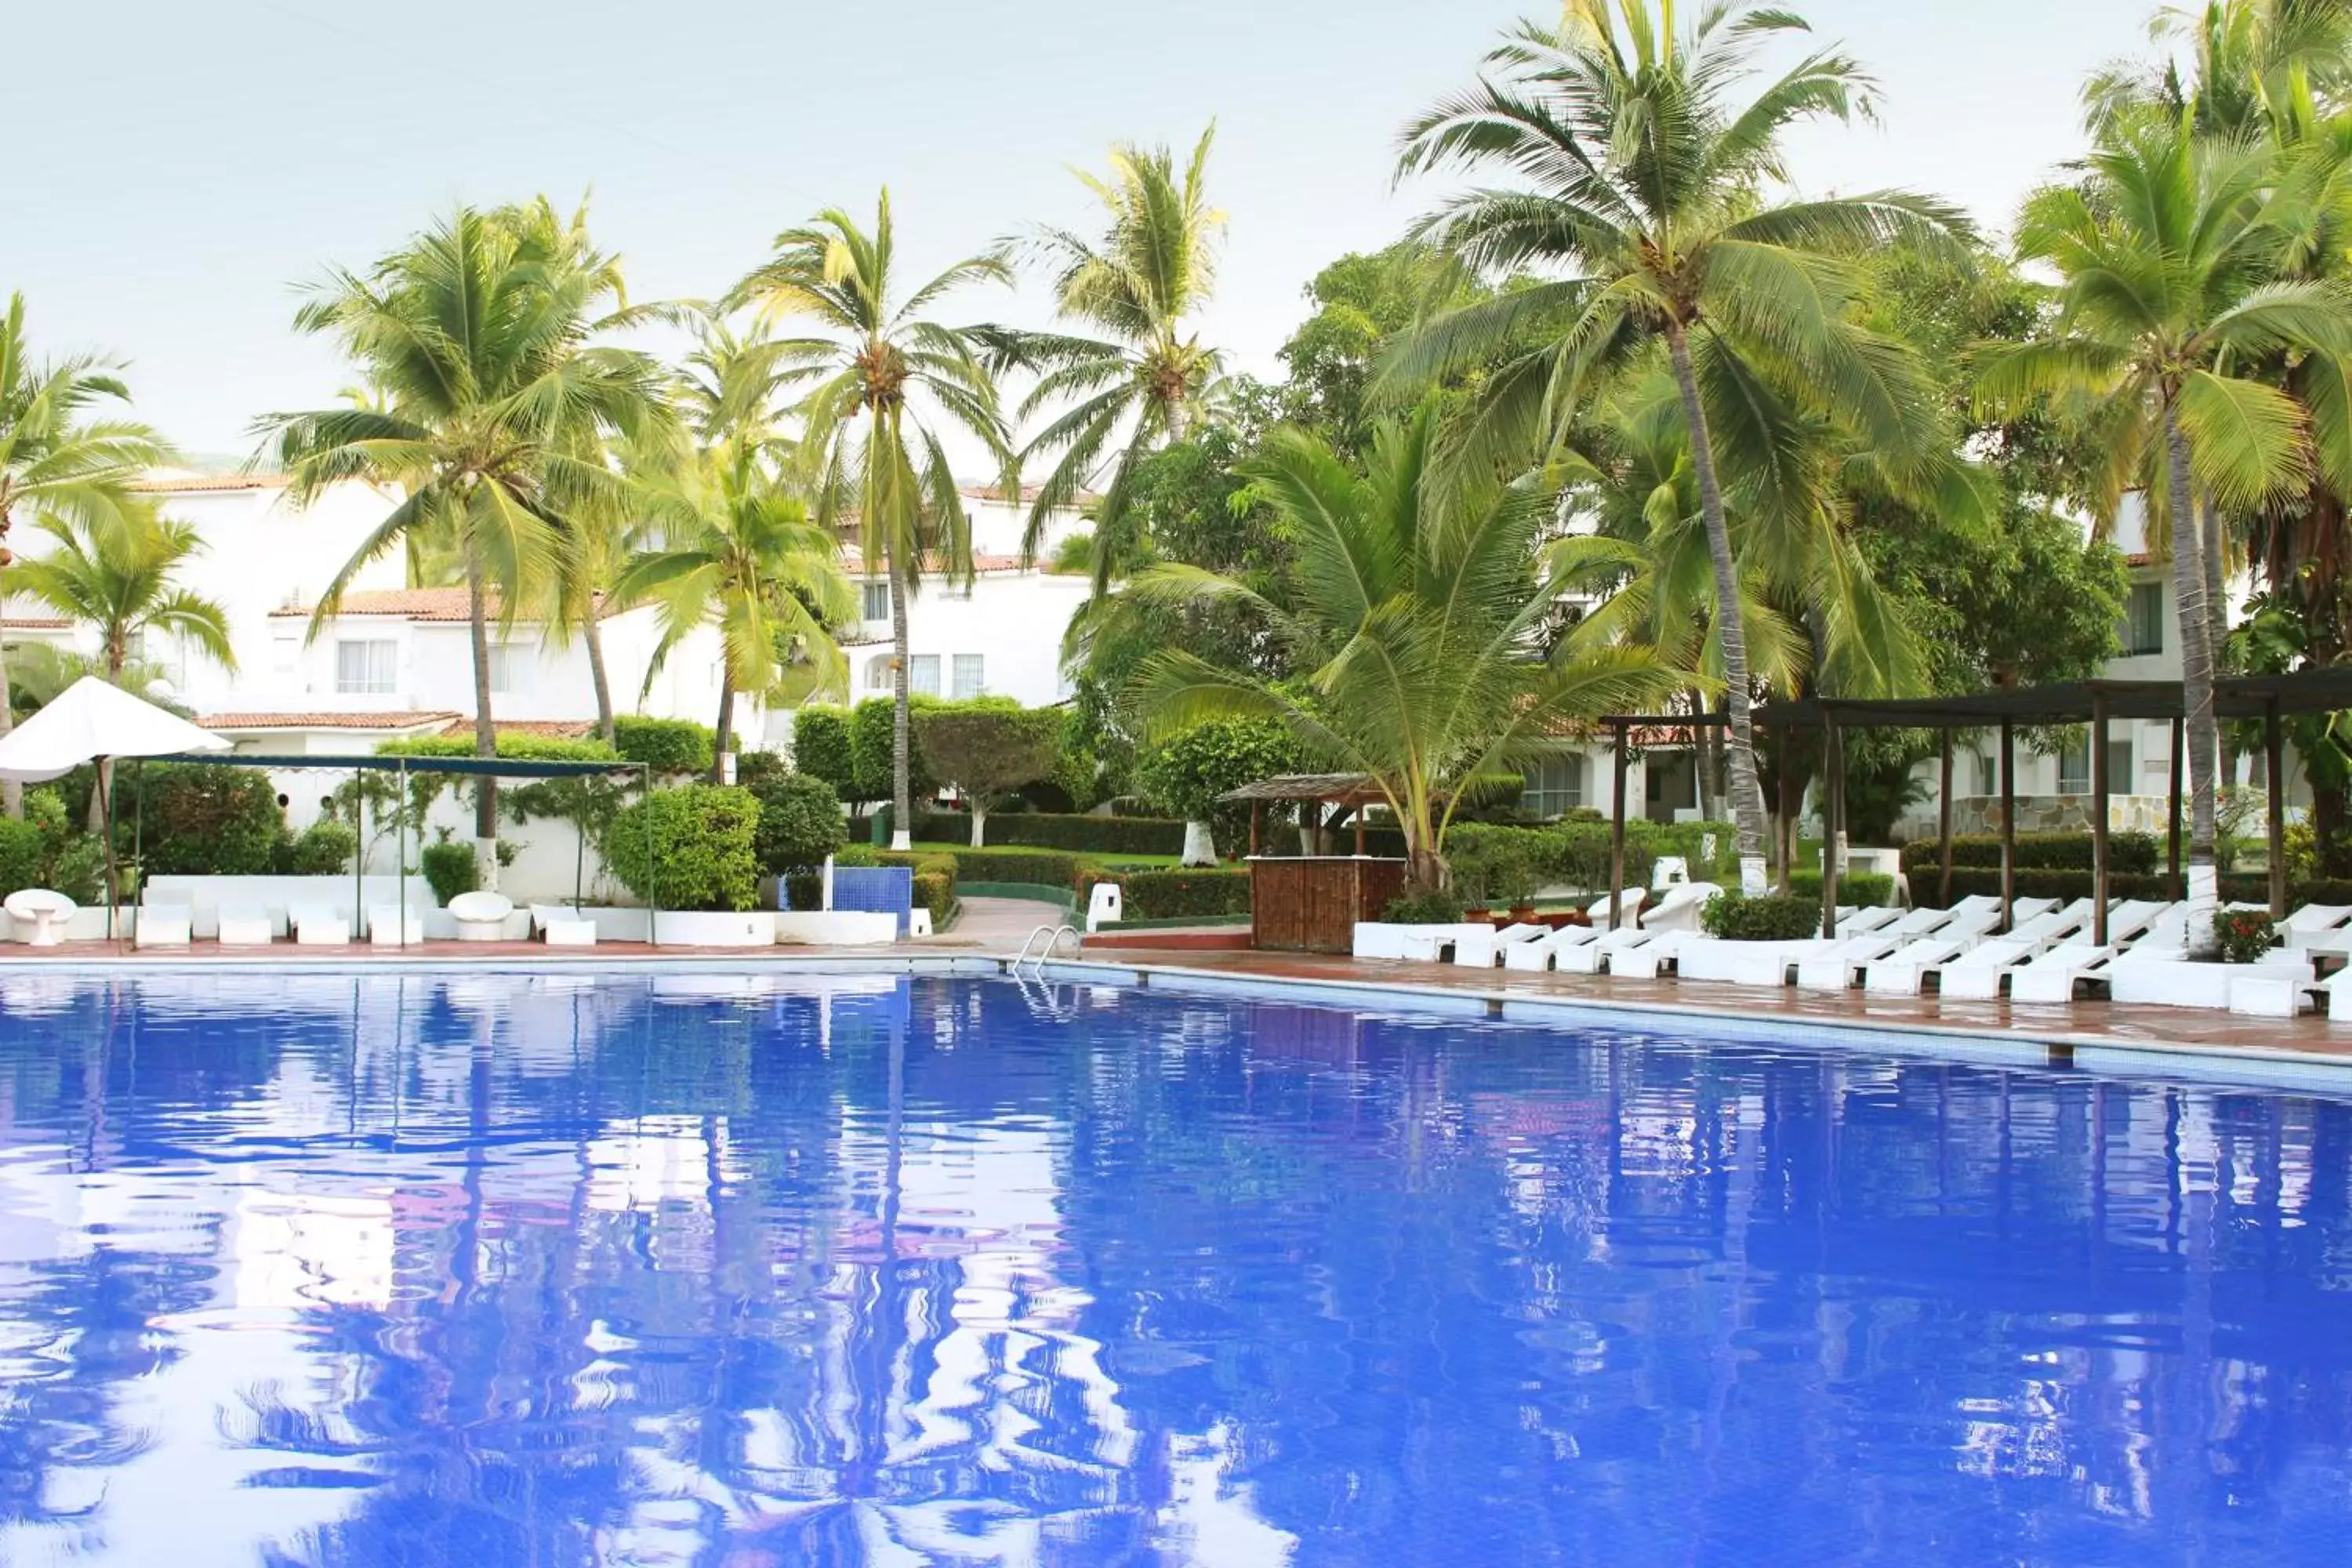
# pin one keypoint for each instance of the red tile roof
(404, 720)
(407, 604)
(550, 729)
(1028, 493)
(171, 482)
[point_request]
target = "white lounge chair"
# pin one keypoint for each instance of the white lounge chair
(319, 925)
(2273, 987)
(1682, 907)
(481, 915)
(1869, 936)
(40, 915)
(2313, 923)
(394, 925)
(164, 925)
(1902, 971)
(1485, 952)
(1978, 974)
(244, 925)
(1543, 952)
(1651, 959)
(2164, 976)
(2051, 977)
(562, 926)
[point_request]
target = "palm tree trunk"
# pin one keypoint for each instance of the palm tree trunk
(594, 636)
(12, 793)
(1703, 758)
(725, 740)
(486, 729)
(1731, 632)
(2196, 683)
(116, 656)
(2210, 540)
(902, 806)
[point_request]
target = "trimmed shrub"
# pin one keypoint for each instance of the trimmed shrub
(2137, 854)
(937, 894)
(2243, 935)
(689, 848)
(1773, 918)
(857, 853)
(870, 739)
(673, 746)
(20, 855)
(517, 746)
(326, 848)
(800, 822)
(1423, 909)
(821, 748)
(449, 869)
(199, 819)
(1868, 889)
(1037, 867)
(1175, 895)
(1048, 830)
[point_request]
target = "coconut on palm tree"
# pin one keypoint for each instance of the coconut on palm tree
(1145, 381)
(483, 334)
(1420, 614)
(1640, 196)
(882, 380)
(2166, 301)
(57, 456)
(118, 578)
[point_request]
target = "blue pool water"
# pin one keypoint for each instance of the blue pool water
(483, 1271)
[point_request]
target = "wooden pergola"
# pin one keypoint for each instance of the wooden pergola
(1353, 791)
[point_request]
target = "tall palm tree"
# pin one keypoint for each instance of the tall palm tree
(879, 378)
(483, 334)
(1152, 267)
(57, 457)
(1420, 615)
(2166, 301)
(118, 577)
(1638, 195)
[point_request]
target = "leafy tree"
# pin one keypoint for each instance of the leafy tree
(1639, 176)
(822, 747)
(58, 457)
(1418, 617)
(882, 369)
(1188, 773)
(874, 755)
(987, 749)
(1139, 284)
(483, 334)
(689, 848)
(800, 822)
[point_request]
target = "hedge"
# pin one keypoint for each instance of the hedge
(937, 894)
(1174, 895)
(1867, 890)
(1773, 918)
(326, 848)
(700, 837)
(516, 745)
(202, 819)
(821, 746)
(2040, 883)
(1047, 830)
(2137, 853)
(1577, 853)
(1041, 867)
(21, 854)
(673, 746)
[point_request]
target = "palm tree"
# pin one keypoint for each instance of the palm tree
(1639, 197)
(1420, 617)
(879, 376)
(482, 333)
(1153, 266)
(56, 458)
(2166, 301)
(115, 577)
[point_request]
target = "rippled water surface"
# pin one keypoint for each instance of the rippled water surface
(486, 1270)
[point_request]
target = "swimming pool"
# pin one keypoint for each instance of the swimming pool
(481, 1269)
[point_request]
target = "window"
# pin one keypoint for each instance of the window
(2143, 626)
(366, 669)
(923, 675)
(1555, 787)
(509, 667)
(877, 601)
(2074, 767)
(970, 674)
(878, 673)
(1988, 775)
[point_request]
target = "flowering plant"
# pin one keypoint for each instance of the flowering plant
(2244, 935)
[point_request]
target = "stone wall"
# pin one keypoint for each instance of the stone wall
(2061, 814)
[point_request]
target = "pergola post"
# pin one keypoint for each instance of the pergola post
(1257, 815)
(1832, 822)
(2008, 822)
(1616, 823)
(2172, 829)
(1944, 826)
(2099, 784)
(399, 849)
(358, 856)
(2275, 766)
(1787, 826)
(1359, 830)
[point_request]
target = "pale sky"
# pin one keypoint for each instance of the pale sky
(181, 166)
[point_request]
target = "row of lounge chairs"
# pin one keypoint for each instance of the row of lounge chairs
(2048, 956)
(42, 918)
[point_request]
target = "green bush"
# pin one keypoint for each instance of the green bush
(672, 746)
(515, 745)
(325, 848)
(689, 848)
(1187, 772)
(821, 748)
(1423, 909)
(1773, 918)
(2136, 853)
(1157, 894)
(1043, 868)
(1502, 866)
(1048, 830)
(449, 869)
(858, 852)
(198, 819)
(20, 855)
(937, 894)
(800, 822)
(870, 739)
(2244, 935)
(1867, 890)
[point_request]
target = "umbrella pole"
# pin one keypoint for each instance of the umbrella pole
(106, 820)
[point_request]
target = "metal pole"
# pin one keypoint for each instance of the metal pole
(1617, 825)
(1832, 821)
(1944, 825)
(2172, 833)
(106, 821)
(2274, 764)
(2099, 785)
(358, 856)
(2008, 822)
(653, 861)
(399, 849)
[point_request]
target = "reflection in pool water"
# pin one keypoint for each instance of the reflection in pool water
(486, 1270)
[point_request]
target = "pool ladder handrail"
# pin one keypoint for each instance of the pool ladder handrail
(1053, 935)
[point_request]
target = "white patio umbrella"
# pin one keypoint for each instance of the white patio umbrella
(96, 723)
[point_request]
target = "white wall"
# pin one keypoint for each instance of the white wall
(1013, 622)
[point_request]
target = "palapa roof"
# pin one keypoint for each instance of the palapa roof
(1331, 789)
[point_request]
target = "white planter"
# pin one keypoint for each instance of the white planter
(836, 927)
(752, 928)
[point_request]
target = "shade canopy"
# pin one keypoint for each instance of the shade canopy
(94, 720)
